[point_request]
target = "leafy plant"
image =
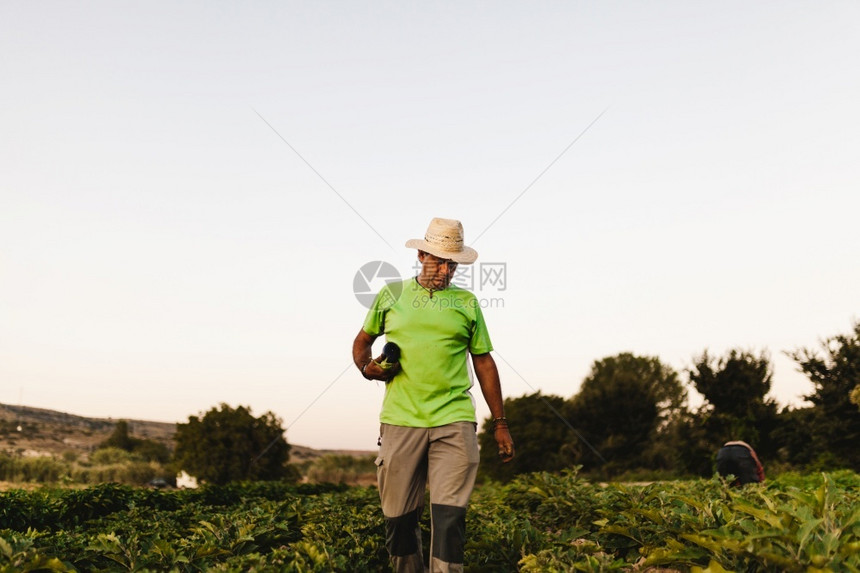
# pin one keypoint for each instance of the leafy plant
(536, 522)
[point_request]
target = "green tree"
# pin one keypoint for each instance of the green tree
(230, 444)
(149, 450)
(688, 445)
(622, 407)
(119, 438)
(834, 371)
(541, 438)
(796, 445)
(735, 388)
(734, 382)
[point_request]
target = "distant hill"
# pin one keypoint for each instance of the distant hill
(29, 431)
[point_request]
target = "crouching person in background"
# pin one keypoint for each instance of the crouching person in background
(739, 460)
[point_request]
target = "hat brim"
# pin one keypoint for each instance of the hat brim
(466, 257)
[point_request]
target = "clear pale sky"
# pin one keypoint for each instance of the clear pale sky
(188, 189)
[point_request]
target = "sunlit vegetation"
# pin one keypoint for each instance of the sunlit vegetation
(536, 522)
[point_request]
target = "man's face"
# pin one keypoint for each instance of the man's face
(435, 272)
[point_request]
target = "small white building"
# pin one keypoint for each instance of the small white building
(185, 481)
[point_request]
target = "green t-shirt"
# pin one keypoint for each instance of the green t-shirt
(435, 334)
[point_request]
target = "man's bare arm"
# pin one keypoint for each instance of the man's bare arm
(361, 349)
(491, 386)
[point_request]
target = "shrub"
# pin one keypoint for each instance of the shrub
(340, 469)
(110, 455)
(43, 469)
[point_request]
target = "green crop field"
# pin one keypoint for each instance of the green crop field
(538, 522)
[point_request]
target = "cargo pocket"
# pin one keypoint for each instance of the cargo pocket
(379, 458)
(379, 462)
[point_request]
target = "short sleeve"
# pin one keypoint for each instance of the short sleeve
(374, 322)
(480, 342)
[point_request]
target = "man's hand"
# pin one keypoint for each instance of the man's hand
(374, 370)
(504, 442)
(371, 369)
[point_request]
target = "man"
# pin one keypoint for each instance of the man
(738, 459)
(428, 424)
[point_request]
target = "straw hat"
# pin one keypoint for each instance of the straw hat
(444, 239)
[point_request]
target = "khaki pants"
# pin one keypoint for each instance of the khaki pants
(445, 459)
